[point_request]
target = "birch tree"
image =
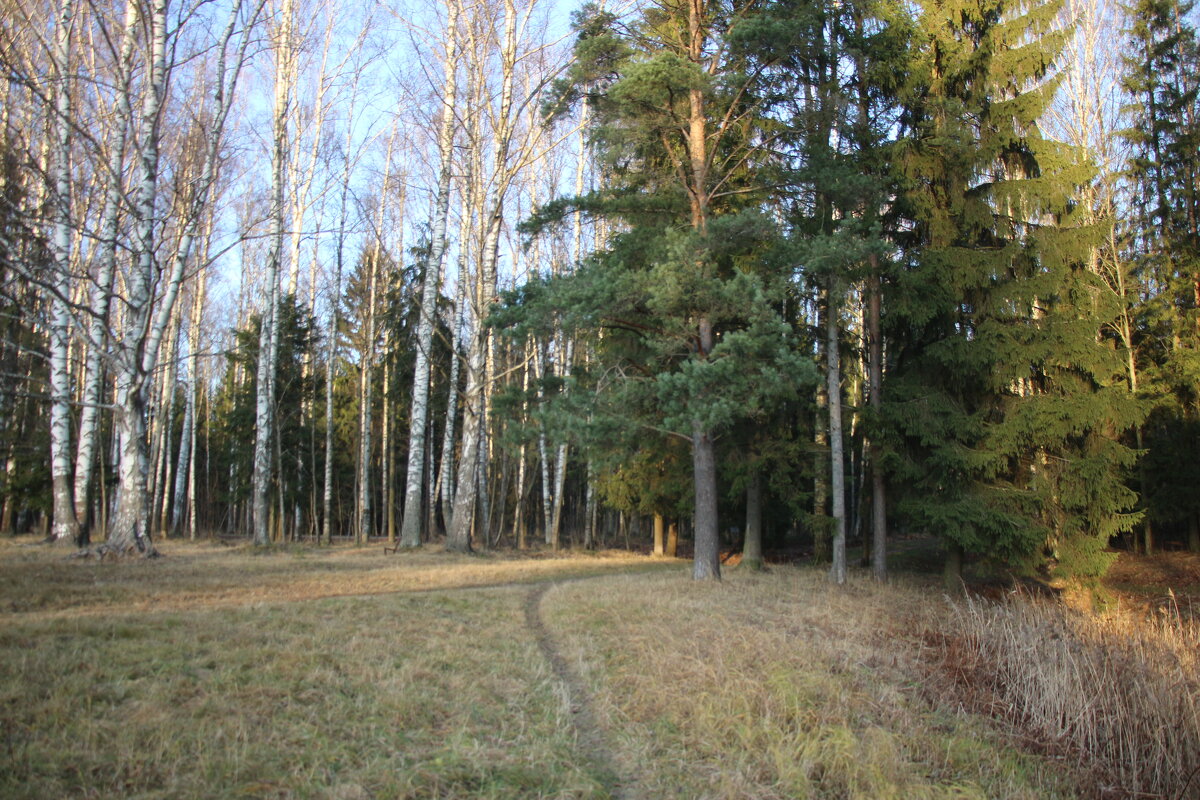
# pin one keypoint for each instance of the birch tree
(66, 528)
(410, 531)
(283, 46)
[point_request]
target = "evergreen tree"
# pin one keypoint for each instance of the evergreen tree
(296, 389)
(692, 334)
(1005, 406)
(1163, 82)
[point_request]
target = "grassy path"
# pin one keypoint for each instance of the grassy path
(590, 740)
(348, 675)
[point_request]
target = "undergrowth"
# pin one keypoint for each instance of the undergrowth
(1120, 692)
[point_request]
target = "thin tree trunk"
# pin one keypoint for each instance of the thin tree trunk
(836, 455)
(446, 468)
(752, 557)
(66, 526)
(706, 563)
(363, 528)
(875, 387)
(268, 338)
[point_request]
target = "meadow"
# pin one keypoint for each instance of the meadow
(346, 673)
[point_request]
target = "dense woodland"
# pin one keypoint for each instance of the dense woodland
(741, 273)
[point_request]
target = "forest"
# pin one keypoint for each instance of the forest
(746, 399)
(745, 275)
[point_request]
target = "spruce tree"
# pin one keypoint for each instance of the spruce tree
(1163, 235)
(1005, 406)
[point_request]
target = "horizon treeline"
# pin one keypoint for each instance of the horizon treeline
(760, 274)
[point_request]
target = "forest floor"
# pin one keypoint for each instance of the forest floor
(346, 673)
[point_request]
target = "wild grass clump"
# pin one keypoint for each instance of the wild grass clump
(1121, 691)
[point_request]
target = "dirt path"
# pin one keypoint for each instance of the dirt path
(590, 740)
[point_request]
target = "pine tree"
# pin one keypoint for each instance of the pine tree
(1005, 405)
(692, 336)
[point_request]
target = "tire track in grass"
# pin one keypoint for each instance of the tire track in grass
(590, 739)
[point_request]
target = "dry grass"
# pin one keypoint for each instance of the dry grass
(348, 674)
(46, 583)
(1121, 691)
(776, 686)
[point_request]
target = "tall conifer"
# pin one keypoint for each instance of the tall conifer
(693, 337)
(1163, 82)
(1005, 404)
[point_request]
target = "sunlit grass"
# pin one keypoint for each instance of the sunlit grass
(776, 686)
(384, 696)
(345, 673)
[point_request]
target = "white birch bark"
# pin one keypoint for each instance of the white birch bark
(446, 468)
(367, 358)
(264, 416)
(543, 451)
(474, 416)
(131, 523)
(363, 527)
(102, 289)
(410, 530)
(331, 349)
(66, 528)
(187, 435)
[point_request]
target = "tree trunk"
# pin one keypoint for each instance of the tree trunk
(410, 530)
(268, 339)
(363, 528)
(707, 558)
(836, 454)
(66, 526)
(752, 557)
(660, 547)
(952, 572)
(875, 384)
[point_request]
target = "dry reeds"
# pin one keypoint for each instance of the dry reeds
(1121, 691)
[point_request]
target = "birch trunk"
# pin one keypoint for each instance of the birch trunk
(363, 523)
(139, 348)
(332, 335)
(102, 289)
(410, 530)
(264, 412)
(66, 526)
(184, 478)
(446, 469)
